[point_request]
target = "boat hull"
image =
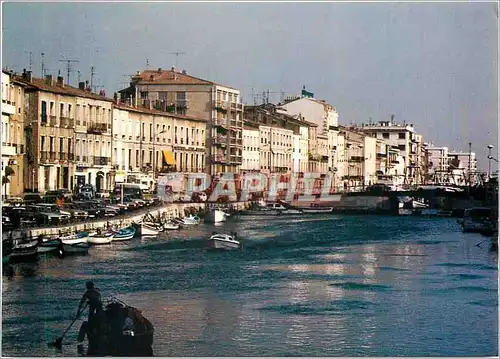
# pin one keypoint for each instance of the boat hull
(220, 244)
(100, 239)
(149, 231)
(24, 251)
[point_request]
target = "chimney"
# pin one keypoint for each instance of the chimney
(29, 76)
(184, 72)
(81, 86)
(172, 69)
(159, 69)
(60, 81)
(49, 80)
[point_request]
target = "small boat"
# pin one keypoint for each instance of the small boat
(80, 237)
(124, 234)
(77, 248)
(216, 216)
(101, 238)
(223, 241)
(148, 229)
(49, 245)
(24, 250)
(191, 220)
(169, 225)
(316, 210)
(477, 219)
(118, 330)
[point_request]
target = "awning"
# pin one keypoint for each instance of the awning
(168, 158)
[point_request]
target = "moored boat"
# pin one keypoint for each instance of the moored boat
(148, 229)
(316, 210)
(77, 248)
(124, 234)
(80, 237)
(223, 241)
(101, 238)
(49, 245)
(169, 225)
(7, 246)
(24, 250)
(190, 220)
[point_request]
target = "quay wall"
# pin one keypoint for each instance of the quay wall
(170, 210)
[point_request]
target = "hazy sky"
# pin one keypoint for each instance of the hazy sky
(430, 64)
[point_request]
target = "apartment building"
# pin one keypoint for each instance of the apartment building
(407, 141)
(438, 164)
(68, 132)
(353, 158)
(179, 93)
(462, 167)
(320, 113)
(318, 150)
(13, 139)
(251, 149)
(147, 142)
(284, 139)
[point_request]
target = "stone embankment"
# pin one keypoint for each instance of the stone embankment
(171, 210)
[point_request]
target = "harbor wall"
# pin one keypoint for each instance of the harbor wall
(171, 210)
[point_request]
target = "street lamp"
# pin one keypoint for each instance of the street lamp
(490, 147)
(492, 158)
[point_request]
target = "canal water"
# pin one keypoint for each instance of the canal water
(305, 286)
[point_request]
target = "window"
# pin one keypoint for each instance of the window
(61, 111)
(402, 135)
(402, 147)
(385, 135)
(70, 149)
(42, 143)
(61, 144)
(137, 158)
(69, 111)
(44, 112)
(51, 108)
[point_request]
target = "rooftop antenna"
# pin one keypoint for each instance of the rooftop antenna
(177, 56)
(30, 57)
(147, 64)
(92, 73)
(68, 68)
(43, 65)
(79, 76)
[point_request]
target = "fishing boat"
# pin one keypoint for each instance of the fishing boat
(101, 238)
(49, 245)
(149, 229)
(223, 241)
(216, 216)
(190, 220)
(169, 225)
(80, 237)
(119, 330)
(124, 234)
(77, 248)
(24, 250)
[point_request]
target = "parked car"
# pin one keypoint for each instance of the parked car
(32, 198)
(49, 214)
(76, 213)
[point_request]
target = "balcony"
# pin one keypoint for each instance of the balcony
(218, 158)
(357, 159)
(381, 155)
(236, 142)
(47, 156)
(220, 122)
(67, 122)
(63, 156)
(71, 156)
(97, 128)
(8, 149)
(101, 161)
(52, 120)
(236, 158)
(43, 119)
(219, 140)
(235, 123)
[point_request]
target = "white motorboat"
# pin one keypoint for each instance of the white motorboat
(316, 210)
(191, 220)
(215, 216)
(103, 238)
(170, 225)
(223, 241)
(149, 230)
(75, 238)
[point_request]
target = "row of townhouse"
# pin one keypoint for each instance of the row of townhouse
(58, 136)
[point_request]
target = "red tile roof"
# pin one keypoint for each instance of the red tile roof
(41, 85)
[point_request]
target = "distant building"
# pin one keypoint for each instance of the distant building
(251, 149)
(463, 168)
(179, 93)
(13, 139)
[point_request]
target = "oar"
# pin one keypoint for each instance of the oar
(58, 342)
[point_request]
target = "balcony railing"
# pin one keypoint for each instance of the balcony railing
(47, 156)
(71, 156)
(236, 142)
(52, 120)
(236, 158)
(219, 140)
(63, 156)
(101, 161)
(97, 128)
(218, 158)
(357, 158)
(67, 122)
(43, 119)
